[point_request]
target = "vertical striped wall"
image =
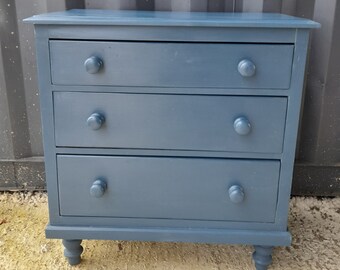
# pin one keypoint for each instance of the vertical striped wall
(319, 140)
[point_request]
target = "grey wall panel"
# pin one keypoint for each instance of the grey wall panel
(305, 8)
(221, 6)
(12, 84)
(111, 4)
(288, 7)
(27, 68)
(25, 8)
(20, 132)
(320, 136)
(5, 123)
(56, 5)
(163, 5)
(252, 6)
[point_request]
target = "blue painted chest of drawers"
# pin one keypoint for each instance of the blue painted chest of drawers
(170, 126)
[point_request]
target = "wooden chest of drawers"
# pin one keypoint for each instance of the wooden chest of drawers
(170, 126)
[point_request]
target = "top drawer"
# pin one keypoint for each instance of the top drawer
(171, 64)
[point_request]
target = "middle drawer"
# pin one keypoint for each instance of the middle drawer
(173, 122)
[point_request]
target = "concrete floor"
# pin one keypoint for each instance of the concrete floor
(314, 223)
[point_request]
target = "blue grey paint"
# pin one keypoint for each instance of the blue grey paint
(203, 235)
(163, 152)
(262, 257)
(134, 120)
(191, 64)
(168, 188)
(72, 251)
(150, 18)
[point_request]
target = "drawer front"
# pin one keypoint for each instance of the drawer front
(170, 188)
(171, 64)
(173, 122)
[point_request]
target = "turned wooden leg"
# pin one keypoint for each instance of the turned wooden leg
(72, 251)
(262, 257)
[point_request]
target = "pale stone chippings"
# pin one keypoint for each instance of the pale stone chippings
(314, 223)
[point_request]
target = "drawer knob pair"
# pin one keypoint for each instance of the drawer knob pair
(242, 125)
(236, 194)
(246, 68)
(95, 121)
(98, 188)
(93, 64)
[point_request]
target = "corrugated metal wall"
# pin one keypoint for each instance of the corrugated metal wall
(317, 170)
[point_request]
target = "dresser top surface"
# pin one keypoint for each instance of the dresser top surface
(164, 18)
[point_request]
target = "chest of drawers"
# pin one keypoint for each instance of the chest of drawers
(170, 126)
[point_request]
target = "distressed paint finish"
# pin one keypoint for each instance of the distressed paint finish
(173, 178)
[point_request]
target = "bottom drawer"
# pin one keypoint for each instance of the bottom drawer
(168, 188)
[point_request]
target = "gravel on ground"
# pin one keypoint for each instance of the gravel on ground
(314, 223)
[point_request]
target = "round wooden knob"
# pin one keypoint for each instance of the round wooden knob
(95, 121)
(98, 188)
(236, 194)
(246, 68)
(242, 125)
(93, 64)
